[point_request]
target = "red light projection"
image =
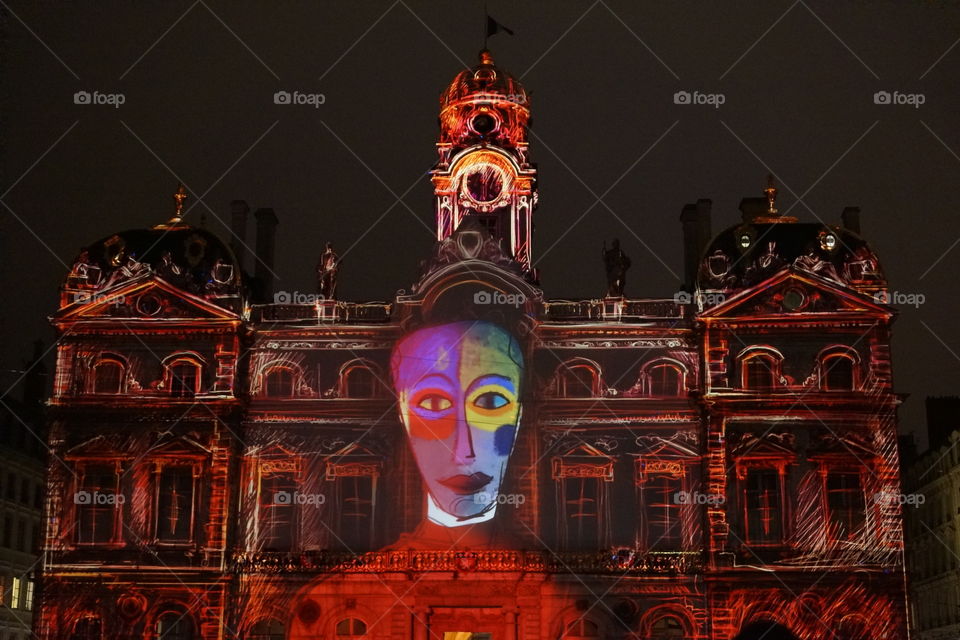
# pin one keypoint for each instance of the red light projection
(472, 460)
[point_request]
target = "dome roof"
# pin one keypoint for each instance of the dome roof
(487, 81)
(746, 254)
(191, 258)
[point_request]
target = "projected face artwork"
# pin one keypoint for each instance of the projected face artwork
(458, 387)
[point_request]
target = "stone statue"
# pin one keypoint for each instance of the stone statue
(327, 270)
(616, 263)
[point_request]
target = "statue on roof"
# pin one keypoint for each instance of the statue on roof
(327, 270)
(616, 263)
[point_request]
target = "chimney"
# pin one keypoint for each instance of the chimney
(238, 227)
(851, 219)
(695, 220)
(266, 237)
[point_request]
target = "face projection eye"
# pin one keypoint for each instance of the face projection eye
(434, 402)
(491, 400)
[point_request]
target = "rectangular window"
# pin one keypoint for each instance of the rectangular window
(660, 511)
(11, 486)
(25, 491)
(98, 505)
(277, 511)
(356, 493)
(15, 593)
(28, 597)
(763, 507)
(846, 505)
(175, 508)
(581, 509)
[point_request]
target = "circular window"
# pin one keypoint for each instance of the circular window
(149, 305)
(483, 124)
(484, 183)
(828, 241)
(794, 299)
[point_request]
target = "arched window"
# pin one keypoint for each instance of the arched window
(665, 379)
(183, 377)
(358, 380)
(581, 628)
(666, 628)
(351, 628)
(174, 625)
(278, 382)
(838, 371)
(108, 375)
(760, 369)
(578, 379)
(268, 629)
(87, 628)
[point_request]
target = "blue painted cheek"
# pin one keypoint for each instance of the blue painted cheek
(503, 439)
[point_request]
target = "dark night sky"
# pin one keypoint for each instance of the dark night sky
(199, 79)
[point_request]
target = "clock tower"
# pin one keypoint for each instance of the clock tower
(483, 170)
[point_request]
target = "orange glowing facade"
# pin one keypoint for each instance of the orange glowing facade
(682, 467)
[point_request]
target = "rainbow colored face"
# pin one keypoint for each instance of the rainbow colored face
(458, 387)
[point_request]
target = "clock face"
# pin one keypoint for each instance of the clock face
(484, 183)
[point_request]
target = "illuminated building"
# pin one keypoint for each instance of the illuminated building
(681, 468)
(932, 514)
(21, 499)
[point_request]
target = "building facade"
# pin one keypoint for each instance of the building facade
(932, 520)
(22, 486)
(687, 467)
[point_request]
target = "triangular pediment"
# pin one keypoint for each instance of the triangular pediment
(146, 298)
(356, 450)
(792, 292)
(585, 450)
(179, 446)
(769, 445)
(97, 447)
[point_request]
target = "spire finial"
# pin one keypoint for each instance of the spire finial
(179, 197)
(771, 193)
